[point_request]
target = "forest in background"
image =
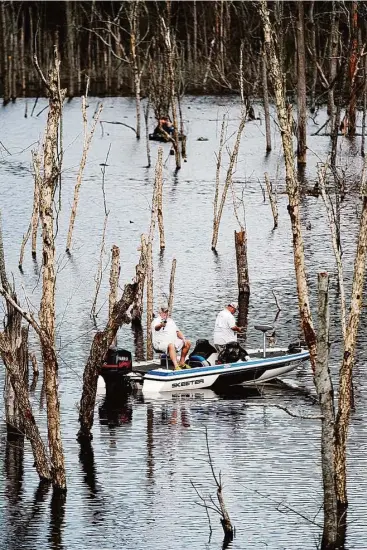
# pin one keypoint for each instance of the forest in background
(213, 43)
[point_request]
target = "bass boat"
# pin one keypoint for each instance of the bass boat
(156, 136)
(206, 368)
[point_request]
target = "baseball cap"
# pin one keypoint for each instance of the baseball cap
(163, 307)
(234, 305)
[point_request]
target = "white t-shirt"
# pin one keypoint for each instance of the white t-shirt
(166, 335)
(223, 332)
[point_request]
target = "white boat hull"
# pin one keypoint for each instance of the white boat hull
(248, 373)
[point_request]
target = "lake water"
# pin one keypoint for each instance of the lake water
(133, 487)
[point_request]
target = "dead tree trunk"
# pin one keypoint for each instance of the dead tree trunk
(14, 57)
(47, 306)
(217, 174)
(150, 298)
(86, 144)
(22, 58)
(70, 47)
(240, 240)
(363, 138)
(13, 350)
(18, 340)
(33, 226)
(182, 130)
(172, 286)
(225, 519)
(159, 177)
(242, 317)
(266, 101)
(146, 117)
(285, 123)
(195, 40)
(35, 368)
(5, 54)
(137, 309)
(345, 377)
(333, 52)
(273, 200)
(325, 394)
(100, 345)
(29, 424)
(313, 56)
(114, 278)
(334, 223)
(353, 60)
(301, 86)
(173, 96)
(36, 200)
(98, 277)
(232, 161)
(134, 28)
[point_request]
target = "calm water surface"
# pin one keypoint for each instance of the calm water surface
(133, 487)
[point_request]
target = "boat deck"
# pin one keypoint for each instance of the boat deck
(145, 366)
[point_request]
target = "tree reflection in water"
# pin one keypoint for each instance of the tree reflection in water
(57, 517)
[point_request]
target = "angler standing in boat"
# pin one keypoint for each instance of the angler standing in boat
(225, 329)
(167, 338)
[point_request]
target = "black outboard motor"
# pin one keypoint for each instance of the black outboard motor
(117, 364)
(232, 353)
(296, 347)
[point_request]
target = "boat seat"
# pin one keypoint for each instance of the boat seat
(203, 348)
(164, 358)
(263, 328)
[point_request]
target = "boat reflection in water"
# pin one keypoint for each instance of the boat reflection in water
(233, 392)
(116, 410)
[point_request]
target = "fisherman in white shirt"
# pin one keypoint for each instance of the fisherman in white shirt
(225, 329)
(167, 338)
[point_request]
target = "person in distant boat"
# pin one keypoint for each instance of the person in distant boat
(165, 124)
(225, 329)
(167, 338)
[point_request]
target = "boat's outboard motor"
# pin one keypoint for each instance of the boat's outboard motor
(296, 347)
(117, 364)
(232, 353)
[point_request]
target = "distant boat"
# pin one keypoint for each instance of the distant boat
(207, 369)
(156, 136)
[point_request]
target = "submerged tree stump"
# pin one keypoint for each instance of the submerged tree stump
(240, 239)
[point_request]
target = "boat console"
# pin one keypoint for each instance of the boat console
(203, 354)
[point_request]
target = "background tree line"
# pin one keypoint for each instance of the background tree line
(213, 42)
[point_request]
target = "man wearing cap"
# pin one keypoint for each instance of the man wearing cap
(225, 329)
(167, 338)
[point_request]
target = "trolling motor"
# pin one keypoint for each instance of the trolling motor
(264, 329)
(115, 368)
